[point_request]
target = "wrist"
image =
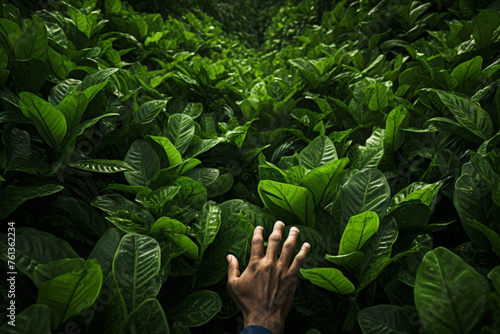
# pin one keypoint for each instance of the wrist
(274, 324)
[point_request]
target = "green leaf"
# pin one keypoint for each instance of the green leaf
(174, 157)
(34, 320)
(359, 229)
(46, 272)
(321, 181)
(378, 95)
(104, 250)
(147, 318)
(13, 196)
(282, 199)
(73, 106)
(193, 109)
(197, 309)
(213, 268)
(145, 162)
(491, 235)
(470, 115)
(148, 111)
(102, 166)
(32, 44)
(319, 152)
(192, 193)
(70, 293)
(377, 253)
(348, 261)
(96, 79)
(394, 137)
(485, 27)
(35, 247)
(470, 198)
(180, 131)
(113, 204)
(136, 267)
(329, 278)
(366, 190)
(386, 319)
(491, 179)
(49, 121)
(468, 70)
(206, 176)
(207, 224)
(113, 6)
(449, 287)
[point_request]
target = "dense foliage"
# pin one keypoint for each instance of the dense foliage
(142, 143)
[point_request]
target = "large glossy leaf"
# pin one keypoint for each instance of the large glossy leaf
(180, 131)
(348, 261)
(136, 268)
(102, 166)
(13, 196)
(377, 253)
(468, 70)
(145, 162)
(470, 115)
(71, 293)
(387, 319)
(46, 272)
(366, 190)
(206, 176)
(319, 152)
(96, 79)
(329, 278)
(281, 198)
(394, 136)
(49, 121)
(207, 224)
(34, 320)
(147, 318)
(105, 249)
(213, 268)
(175, 231)
(321, 181)
(197, 309)
(470, 198)
(192, 193)
(490, 178)
(450, 296)
(174, 157)
(148, 111)
(368, 156)
(112, 204)
(35, 247)
(32, 44)
(359, 229)
(72, 107)
(485, 27)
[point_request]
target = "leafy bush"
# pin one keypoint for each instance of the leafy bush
(139, 148)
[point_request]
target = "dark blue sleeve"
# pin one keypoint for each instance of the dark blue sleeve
(256, 330)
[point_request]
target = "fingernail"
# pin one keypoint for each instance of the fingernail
(307, 245)
(229, 258)
(279, 224)
(259, 227)
(294, 230)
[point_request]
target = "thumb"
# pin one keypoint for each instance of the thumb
(233, 269)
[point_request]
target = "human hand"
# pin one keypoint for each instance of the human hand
(264, 292)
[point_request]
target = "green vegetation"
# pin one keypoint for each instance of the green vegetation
(142, 143)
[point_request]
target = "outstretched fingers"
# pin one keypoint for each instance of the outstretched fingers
(300, 259)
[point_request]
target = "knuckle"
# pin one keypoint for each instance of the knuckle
(275, 238)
